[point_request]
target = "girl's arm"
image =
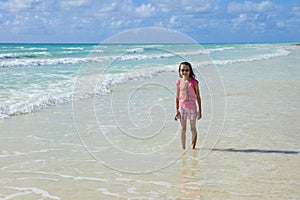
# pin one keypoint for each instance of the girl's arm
(177, 103)
(199, 115)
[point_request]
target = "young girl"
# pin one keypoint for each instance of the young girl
(187, 94)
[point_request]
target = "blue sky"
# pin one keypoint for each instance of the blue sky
(206, 21)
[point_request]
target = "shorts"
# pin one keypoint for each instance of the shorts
(188, 114)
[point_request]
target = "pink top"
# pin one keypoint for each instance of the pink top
(187, 94)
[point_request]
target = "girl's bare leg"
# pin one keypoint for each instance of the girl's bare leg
(183, 131)
(194, 133)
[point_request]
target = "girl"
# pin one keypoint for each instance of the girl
(187, 93)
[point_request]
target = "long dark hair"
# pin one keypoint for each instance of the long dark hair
(191, 75)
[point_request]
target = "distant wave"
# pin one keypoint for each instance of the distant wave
(279, 52)
(44, 58)
(44, 61)
(73, 48)
(219, 49)
(203, 51)
(136, 50)
(23, 55)
(77, 60)
(97, 51)
(36, 49)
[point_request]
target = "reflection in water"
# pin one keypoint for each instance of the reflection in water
(189, 187)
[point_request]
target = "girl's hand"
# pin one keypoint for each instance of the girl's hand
(177, 116)
(199, 115)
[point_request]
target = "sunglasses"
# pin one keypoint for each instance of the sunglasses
(184, 70)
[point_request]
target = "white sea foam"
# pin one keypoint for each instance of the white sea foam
(279, 52)
(17, 153)
(12, 196)
(160, 183)
(204, 51)
(74, 48)
(28, 190)
(23, 55)
(37, 49)
(136, 50)
(132, 190)
(77, 60)
(28, 105)
(97, 51)
(37, 99)
(220, 49)
(107, 192)
(132, 54)
(41, 62)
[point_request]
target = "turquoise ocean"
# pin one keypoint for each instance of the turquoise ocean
(36, 76)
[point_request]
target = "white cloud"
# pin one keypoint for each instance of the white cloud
(102, 18)
(104, 10)
(159, 24)
(185, 6)
(173, 20)
(16, 5)
(248, 22)
(265, 5)
(296, 10)
(145, 10)
(280, 24)
(253, 17)
(199, 7)
(117, 23)
(249, 6)
(73, 3)
(239, 20)
(108, 8)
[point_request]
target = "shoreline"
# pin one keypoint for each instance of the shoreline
(254, 157)
(22, 105)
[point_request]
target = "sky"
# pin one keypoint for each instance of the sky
(205, 21)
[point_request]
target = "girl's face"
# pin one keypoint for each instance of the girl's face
(184, 70)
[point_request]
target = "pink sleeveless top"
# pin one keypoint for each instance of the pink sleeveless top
(187, 94)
